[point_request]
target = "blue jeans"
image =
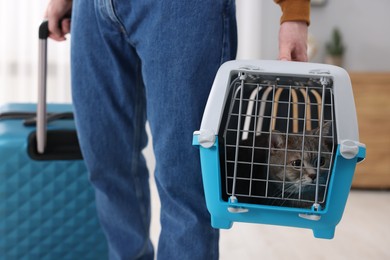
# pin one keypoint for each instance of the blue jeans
(152, 60)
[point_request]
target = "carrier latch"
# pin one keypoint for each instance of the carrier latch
(349, 149)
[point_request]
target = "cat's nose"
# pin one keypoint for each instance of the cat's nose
(313, 176)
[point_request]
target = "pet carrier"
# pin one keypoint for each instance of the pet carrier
(279, 145)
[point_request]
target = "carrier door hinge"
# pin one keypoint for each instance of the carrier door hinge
(206, 137)
(320, 72)
(236, 209)
(310, 216)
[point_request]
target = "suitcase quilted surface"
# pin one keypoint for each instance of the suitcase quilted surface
(47, 208)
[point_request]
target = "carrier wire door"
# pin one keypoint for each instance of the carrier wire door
(280, 145)
(288, 118)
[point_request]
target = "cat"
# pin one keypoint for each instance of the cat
(293, 183)
(299, 175)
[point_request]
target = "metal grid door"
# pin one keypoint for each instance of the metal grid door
(277, 140)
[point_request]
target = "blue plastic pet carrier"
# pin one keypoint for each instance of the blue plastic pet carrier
(279, 145)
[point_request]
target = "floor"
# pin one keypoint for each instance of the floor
(363, 233)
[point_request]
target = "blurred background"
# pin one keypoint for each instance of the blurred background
(352, 34)
(363, 26)
(19, 22)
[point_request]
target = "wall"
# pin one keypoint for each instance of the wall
(364, 25)
(249, 20)
(19, 22)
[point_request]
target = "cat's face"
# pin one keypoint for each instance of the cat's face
(294, 161)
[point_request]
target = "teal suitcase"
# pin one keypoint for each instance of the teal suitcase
(47, 208)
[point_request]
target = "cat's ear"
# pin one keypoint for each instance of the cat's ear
(277, 140)
(327, 133)
(326, 129)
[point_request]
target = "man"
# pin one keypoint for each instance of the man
(156, 60)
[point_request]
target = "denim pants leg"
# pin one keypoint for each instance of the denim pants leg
(109, 100)
(139, 59)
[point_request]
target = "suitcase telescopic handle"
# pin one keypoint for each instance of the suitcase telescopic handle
(42, 79)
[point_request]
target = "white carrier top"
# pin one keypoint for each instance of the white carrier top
(344, 106)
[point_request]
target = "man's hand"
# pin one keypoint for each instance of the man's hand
(58, 13)
(293, 41)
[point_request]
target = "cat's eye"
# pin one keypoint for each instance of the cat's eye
(296, 164)
(322, 162)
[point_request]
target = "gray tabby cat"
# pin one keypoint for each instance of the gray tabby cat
(291, 170)
(293, 174)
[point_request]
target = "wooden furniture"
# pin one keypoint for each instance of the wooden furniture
(372, 98)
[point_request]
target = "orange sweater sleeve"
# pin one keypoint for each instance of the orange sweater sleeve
(295, 10)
